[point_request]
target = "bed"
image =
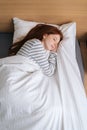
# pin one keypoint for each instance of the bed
(30, 100)
(6, 40)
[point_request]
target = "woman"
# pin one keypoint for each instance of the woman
(40, 45)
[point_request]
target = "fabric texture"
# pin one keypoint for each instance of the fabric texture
(30, 100)
(34, 50)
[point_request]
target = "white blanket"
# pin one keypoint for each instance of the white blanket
(29, 100)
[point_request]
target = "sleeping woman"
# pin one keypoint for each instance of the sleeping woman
(40, 45)
(29, 100)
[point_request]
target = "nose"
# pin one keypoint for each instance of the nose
(55, 44)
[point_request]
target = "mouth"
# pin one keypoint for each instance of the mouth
(52, 46)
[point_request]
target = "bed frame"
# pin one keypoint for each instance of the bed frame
(55, 11)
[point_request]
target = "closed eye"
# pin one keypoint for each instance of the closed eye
(54, 39)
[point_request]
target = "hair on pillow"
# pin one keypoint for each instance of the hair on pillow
(22, 27)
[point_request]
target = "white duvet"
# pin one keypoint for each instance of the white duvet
(29, 100)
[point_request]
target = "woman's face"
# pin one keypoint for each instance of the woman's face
(51, 41)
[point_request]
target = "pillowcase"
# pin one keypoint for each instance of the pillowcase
(22, 27)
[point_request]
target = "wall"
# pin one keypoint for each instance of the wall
(53, 11)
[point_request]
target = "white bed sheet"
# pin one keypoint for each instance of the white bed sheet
(29, 100)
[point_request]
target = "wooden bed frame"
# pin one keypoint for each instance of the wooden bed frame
(50, 11)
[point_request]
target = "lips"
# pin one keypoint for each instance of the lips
(52, 46)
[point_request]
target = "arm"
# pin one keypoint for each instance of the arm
(48, 65)
(34, 49)
(52, 62)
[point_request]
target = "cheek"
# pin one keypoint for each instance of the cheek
(47, 42)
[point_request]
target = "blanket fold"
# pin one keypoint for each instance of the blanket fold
(29, 100)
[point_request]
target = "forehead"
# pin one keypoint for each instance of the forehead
(57, 36)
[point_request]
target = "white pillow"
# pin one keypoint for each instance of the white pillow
(22, 27)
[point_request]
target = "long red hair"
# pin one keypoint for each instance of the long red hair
(37, 32)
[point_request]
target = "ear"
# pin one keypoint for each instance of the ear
(45, 35)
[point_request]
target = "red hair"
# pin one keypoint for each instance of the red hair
(37, 32)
